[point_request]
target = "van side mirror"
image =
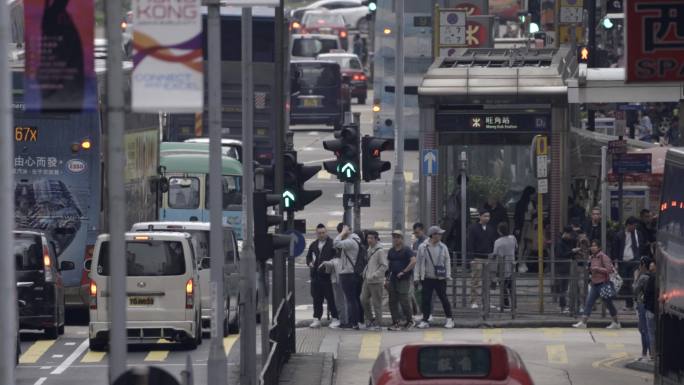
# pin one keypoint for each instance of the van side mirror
(205, 263)
(87, 265)
(66, 265)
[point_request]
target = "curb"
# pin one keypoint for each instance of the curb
(641, 366)
(509, 324)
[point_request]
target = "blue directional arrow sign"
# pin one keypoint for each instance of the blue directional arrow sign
(299, 243)
(430, 161)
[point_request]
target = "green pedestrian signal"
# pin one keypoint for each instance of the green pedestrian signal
(288, 199)
(348, 170)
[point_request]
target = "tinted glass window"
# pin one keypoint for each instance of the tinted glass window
(454, 362)
(147, 258)
(313, 47)
(671, 219)
(322, 19)
(232, 193)
(184, 193)
(316, 76)
(345, 63)
(28, 252)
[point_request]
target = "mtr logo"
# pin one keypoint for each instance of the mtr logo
(655, 51)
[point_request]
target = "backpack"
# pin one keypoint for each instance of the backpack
(361, 260)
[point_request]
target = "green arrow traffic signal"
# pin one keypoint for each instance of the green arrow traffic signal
(348, 170)
(288, 199)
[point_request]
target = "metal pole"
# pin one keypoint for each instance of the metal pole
(540, 248)
(621, 194)
(357, 205)
(604, 196)
(8, 309)
(115, 191)
(465, 211)
(217, 363)
(398, 182)
(347, 219)
(291, 285)
(263, 311)
(248, 371)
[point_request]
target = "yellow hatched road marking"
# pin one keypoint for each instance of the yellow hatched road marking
(92, 357)
(492, 335)
(615, 346)
(324, 175)
(33, 354)
(608, 333)
(370, 346)
(408, 176)
(332, 224)
(380, 225)
(557, 354)
(553, 333)
(158, 355)
(433, 336)
(229, 341)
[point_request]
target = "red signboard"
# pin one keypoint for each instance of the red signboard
(655, 40)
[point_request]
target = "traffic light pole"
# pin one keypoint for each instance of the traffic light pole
(348, 189)
(357, 205)
(291, 284)
(248, 370)
(398, 182)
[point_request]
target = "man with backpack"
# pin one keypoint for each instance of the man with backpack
(353, 257)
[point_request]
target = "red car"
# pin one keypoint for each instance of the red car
(449, 363)
(352, 71)
(325, 23)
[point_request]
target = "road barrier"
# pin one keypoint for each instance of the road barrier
(281, 335)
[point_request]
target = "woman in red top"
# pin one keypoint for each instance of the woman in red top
(600, 267)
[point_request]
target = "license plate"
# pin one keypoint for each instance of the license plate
(311, 102)
(141, 301)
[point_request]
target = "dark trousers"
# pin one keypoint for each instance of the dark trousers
(438, 286)
(321, 290)
(352, 297)
(643, 330)
(507, 291)
(561, 286)
(626, 271)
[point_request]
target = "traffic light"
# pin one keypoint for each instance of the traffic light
(372, 5)
(372, 163)
(346, 149)
(295, 197)
(265, 243)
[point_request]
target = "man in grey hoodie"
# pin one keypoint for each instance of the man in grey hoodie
(374, 281)
(348, 243)
(433, 269)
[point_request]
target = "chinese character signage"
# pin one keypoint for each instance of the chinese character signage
(504, 122)
(655, 32)
(59, 73)
(167, 56)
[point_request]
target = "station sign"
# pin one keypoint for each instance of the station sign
(505, 121)
(656, 49)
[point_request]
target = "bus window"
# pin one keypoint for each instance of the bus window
(183, 193)
(232, 193)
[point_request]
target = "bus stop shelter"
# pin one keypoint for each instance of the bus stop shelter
(490, 104)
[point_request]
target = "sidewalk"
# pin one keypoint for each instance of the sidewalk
(314, 362)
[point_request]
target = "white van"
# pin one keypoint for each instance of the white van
(199, 232)
(162, 289)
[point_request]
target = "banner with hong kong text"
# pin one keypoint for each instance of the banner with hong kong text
(167, 56)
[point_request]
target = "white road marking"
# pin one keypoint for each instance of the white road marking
(70, 360)
(312, 133)
(70, 344)
(45, 367)
(40, 381)
(57, 355)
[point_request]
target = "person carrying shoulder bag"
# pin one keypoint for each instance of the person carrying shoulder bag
(433, 269)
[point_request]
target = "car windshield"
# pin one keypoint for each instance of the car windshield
(454, 361)
(313, 47)
(316, 76)
(322, 20)
(183, 193)
(232, 194)
(147, 258)
(28, 252)
(345, 62)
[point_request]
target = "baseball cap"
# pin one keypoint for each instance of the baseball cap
(398, 233)
(434, 230)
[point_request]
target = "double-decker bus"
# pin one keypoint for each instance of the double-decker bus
(59, 177)
(669, 365)
(180, 127)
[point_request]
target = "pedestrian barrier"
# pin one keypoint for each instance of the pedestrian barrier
(281, 335)
(499, 295)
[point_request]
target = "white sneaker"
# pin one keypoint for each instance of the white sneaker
(474, 306)
(430, 319)
(315, 324)
(613, 325)
(449, 324)
(580, 325)
(362, 326)
(423, 325)
(522, 268)
(334, 324)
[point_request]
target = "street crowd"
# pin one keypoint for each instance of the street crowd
(352, 272)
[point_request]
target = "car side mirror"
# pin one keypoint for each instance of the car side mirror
(66, 265)
(87, 265)
(205, 263)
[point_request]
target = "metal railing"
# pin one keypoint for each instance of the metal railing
(282, 342)
(517, 294)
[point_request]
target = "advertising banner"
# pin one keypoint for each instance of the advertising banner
(60, 72)
(167, 56)
(655, 32)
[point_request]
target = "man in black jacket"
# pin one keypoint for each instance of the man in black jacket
(628, 248)
(321, 250)
(481, 238)
(566, 249)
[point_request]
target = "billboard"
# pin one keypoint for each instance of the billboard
(167, 56)
(60, 72)
(655, 32)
